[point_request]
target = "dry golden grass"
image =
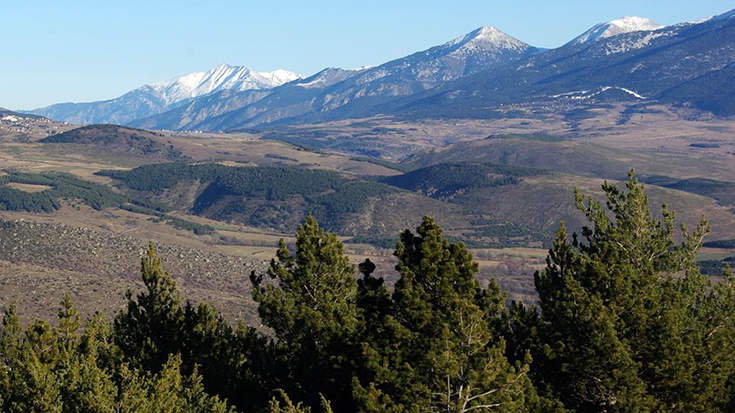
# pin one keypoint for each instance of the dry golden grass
(27, 187)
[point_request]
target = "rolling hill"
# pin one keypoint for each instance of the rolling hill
(121, 141)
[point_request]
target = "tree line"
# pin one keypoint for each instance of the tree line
(327, 194)
(63, 186)
(625, 322)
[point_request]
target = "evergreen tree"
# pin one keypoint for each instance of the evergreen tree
(312, 312)
(86, 385)
(68, 325)
(443, 353)
(35, 387)
(156, 327)
(288, 407)
(151, 328)
(97, 341)
(11, 339)
(253, 368)
(627, 322)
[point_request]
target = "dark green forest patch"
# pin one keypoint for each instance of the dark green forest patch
(269, 196)
(62, 186)
(447, 180)
(724, 192)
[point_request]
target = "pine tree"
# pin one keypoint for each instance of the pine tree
(86, 385)
(168, 391)
(35, 387)
(253, 368)
(151, 328)
(11, 338)
(97, 341)
(68, 325)
(312, 313)
(627, 322)
(450, 358)
(288, 407)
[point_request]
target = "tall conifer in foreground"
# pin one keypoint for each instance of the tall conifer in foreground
(441, 351)
(311, 309)
(627, 322)
(152, 326)
(155, 327)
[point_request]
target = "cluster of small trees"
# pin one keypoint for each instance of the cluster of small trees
(625, 323)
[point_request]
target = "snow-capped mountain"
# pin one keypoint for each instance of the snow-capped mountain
(479, 50)
(724, 16)
(162, 96)
(631, 58)
(222, 77)
(474, 52)
(612, 28)
(687, 63)
(328, 77)
(336, 93)
(191, 114)
(485, 38)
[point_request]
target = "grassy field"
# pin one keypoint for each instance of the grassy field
(27, 187)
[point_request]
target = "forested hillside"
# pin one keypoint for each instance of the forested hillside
(46, 190)
(279, 197)
(446, 180)
(625, 323)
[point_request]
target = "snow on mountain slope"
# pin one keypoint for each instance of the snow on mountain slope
(328, 77)
(165, 95)
(486, 39)
(322, 97)
(726, 15)
(222, 77)
(479, 50)
(626, 24)
(334, 88)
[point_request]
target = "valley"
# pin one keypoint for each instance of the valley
(501, 185)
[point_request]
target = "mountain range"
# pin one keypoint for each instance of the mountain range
(645, 65)
(630, 59)
(165, 95)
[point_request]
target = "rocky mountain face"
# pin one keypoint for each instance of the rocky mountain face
(356, 91)
(680, 64)
(161, 96)
(631, 59)
(191, 115)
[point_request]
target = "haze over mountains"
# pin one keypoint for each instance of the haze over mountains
(630, 59)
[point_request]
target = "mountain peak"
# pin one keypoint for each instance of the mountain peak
(221, 66)
(220, 77)
(615, 27)
(486, 38)
(281, 76)
(485, 31)
(487, 34)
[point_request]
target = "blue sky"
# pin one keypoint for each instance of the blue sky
(73, 50)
